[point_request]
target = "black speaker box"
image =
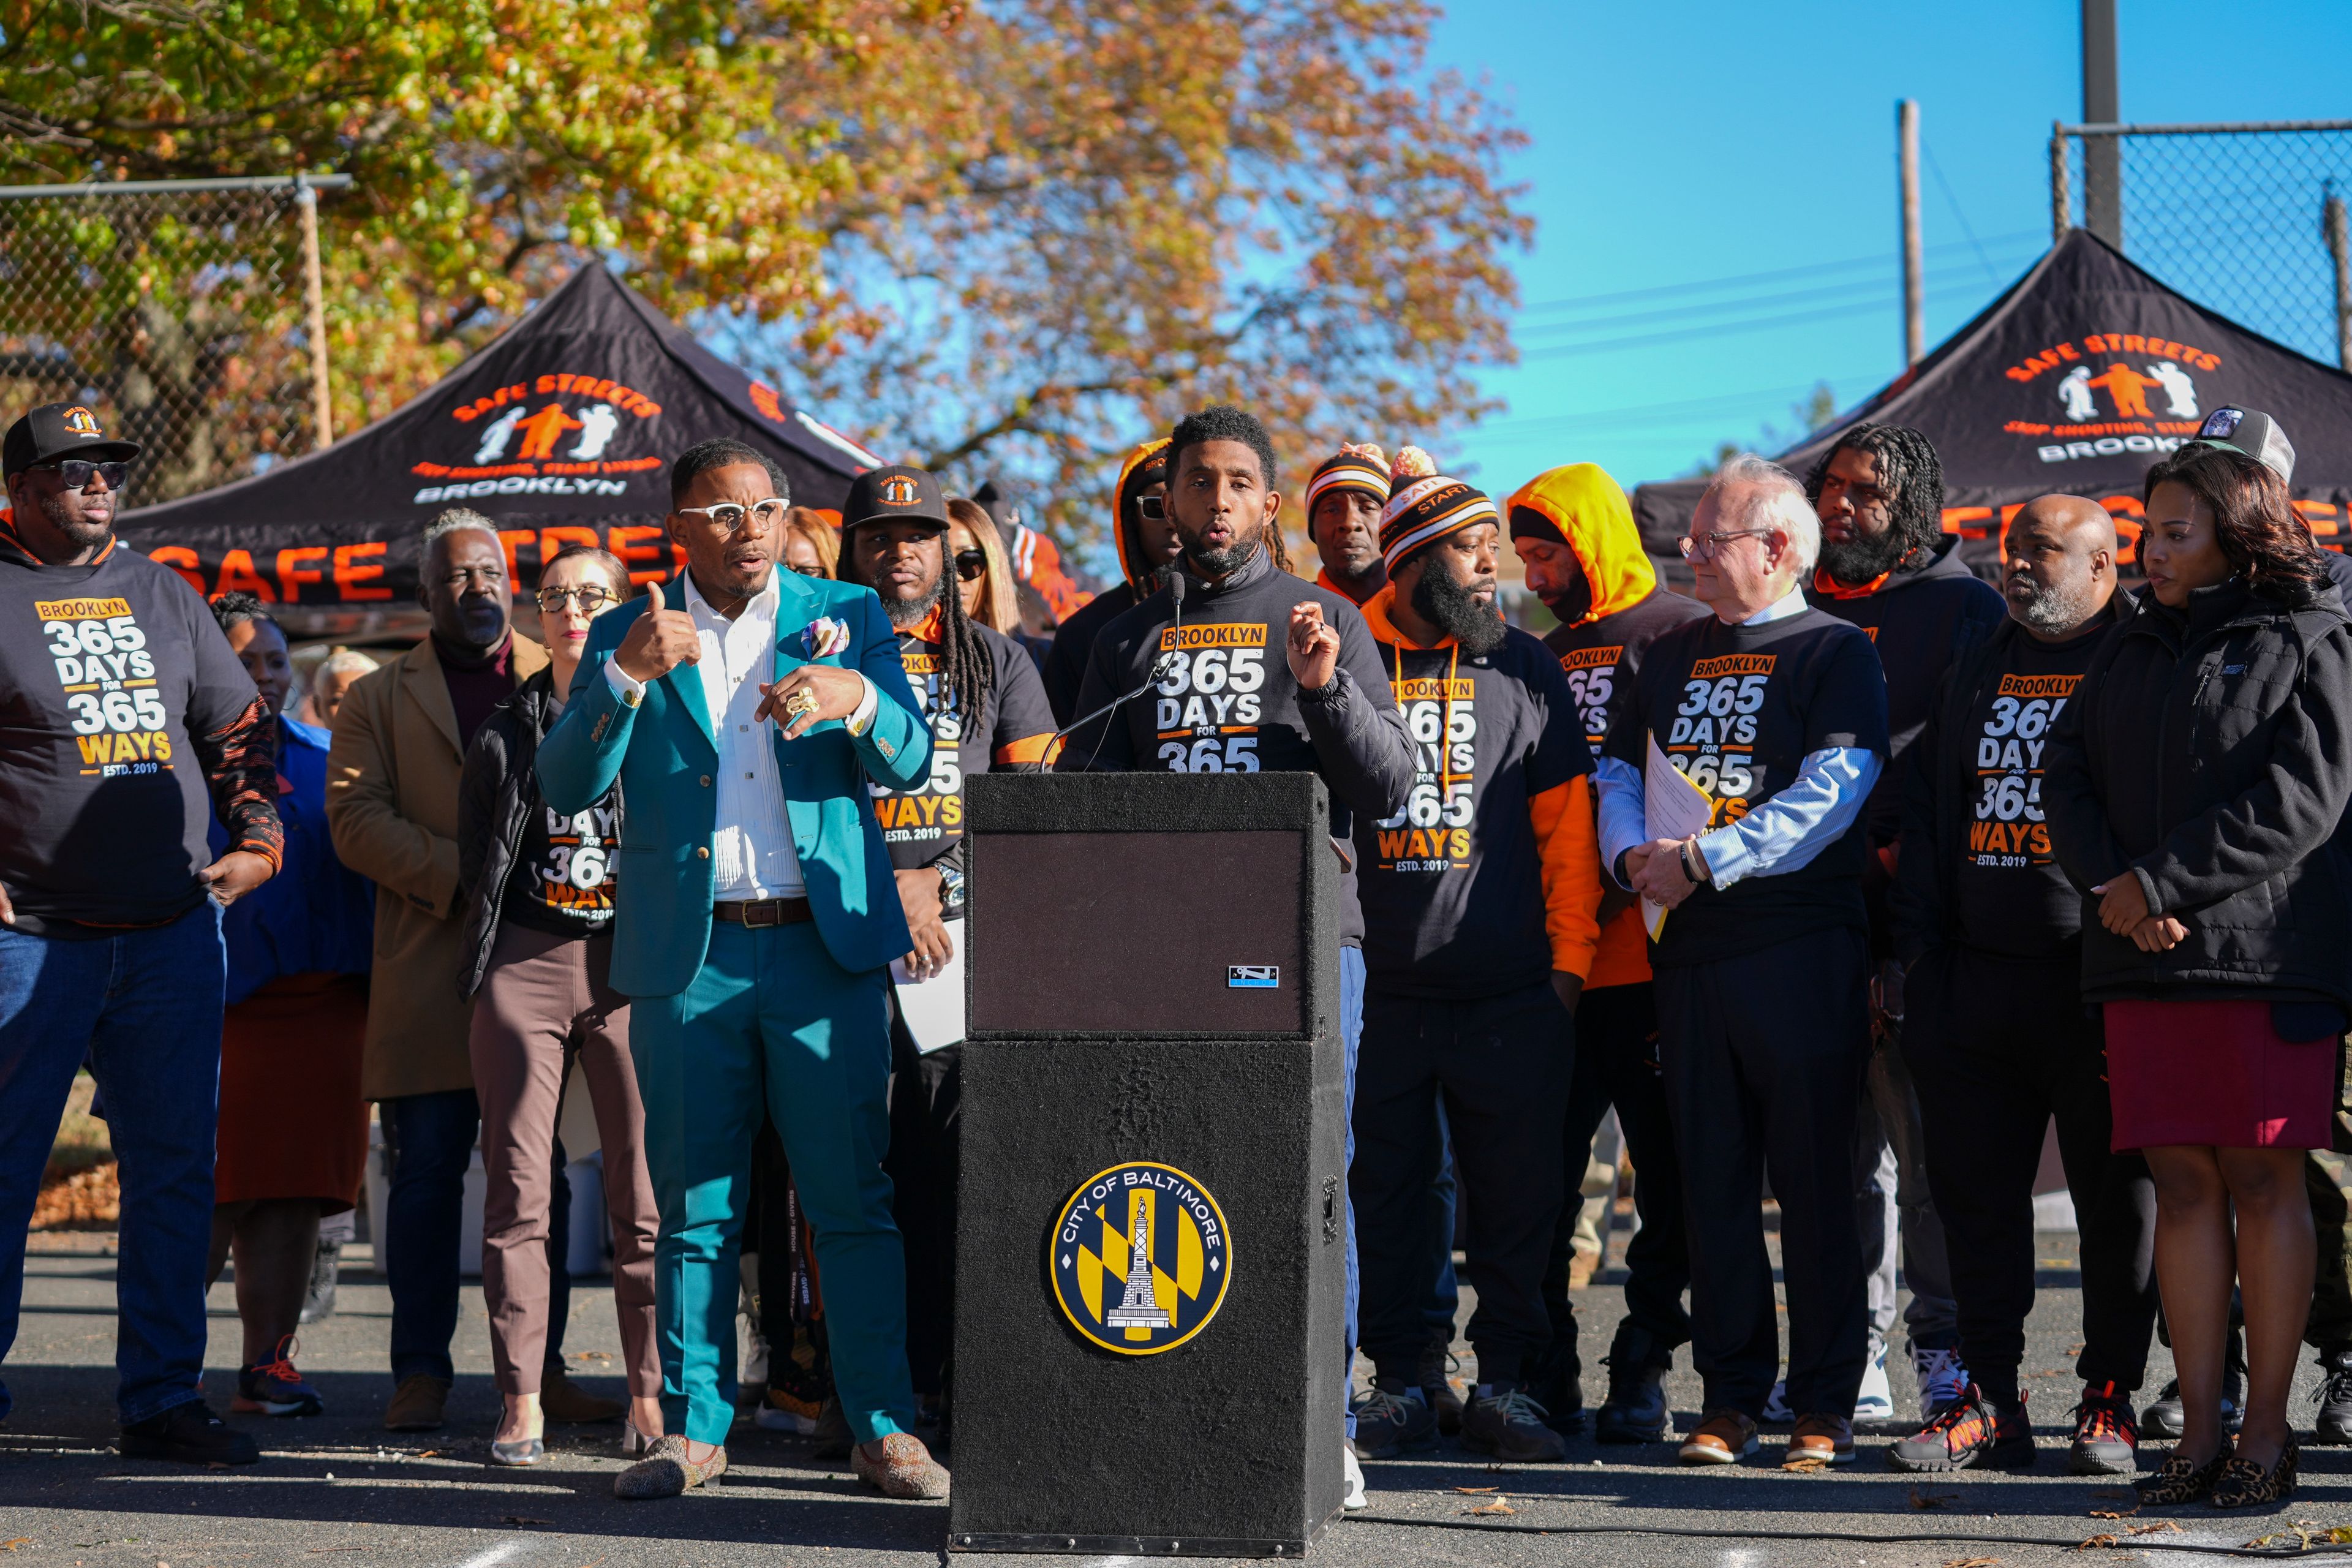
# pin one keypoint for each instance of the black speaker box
(1154, 1005)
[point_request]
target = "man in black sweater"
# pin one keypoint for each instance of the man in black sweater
(1989, 931)
(1269, 675)
(1889, 567)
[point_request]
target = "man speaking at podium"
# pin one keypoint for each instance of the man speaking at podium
(743, 710)
(1227, 704)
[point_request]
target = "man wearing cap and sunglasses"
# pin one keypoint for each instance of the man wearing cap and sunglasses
(980, 694)
(125, 724)
(747, 711)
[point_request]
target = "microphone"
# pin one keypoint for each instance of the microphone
(1161, 669)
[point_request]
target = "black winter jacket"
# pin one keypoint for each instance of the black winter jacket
(494, 799)
(2208, 753)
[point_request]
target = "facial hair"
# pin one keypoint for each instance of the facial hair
(80, 533)
(1222, 563)
(1863, 560)
(1454, 610)
(2047, 609)
(904, 612)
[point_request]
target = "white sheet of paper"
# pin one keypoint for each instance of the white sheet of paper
(933, 1008)
(1672, 807)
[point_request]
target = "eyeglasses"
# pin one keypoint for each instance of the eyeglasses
(77, 472)
(591, 599)
(1151, 509)
(972, 565)
(1708, 546)
(729, 517)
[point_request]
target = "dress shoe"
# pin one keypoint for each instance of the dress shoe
(1723, 1438)
(417, 1404)
(666, 1471)
(1820, 1439)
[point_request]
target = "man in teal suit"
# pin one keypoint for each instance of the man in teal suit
(743, 709)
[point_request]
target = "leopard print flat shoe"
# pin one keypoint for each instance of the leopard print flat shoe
(2180, 1479)
(2245, 1484)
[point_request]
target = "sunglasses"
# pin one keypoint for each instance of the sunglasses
(591, 599)
(77, 472)
(972, 565)
(1151, 509)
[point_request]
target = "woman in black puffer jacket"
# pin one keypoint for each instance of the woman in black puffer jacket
(2194, 788)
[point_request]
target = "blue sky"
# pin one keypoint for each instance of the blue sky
(1710, 140)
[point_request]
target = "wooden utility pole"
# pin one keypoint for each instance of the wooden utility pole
(2103, 171)
(1915, 304)
(2338, 230)
(314, 303)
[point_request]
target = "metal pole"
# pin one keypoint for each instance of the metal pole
(2333, 223)
(314, 302)
(1915, 306)
(2102, 178)
(2061, 199)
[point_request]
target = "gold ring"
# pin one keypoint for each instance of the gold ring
(800, 702)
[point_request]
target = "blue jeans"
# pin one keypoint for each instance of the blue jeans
(1351, 1032)
(144, 1007)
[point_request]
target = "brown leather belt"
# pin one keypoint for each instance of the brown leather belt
(763, 912)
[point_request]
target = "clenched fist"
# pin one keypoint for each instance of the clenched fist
(660, 641)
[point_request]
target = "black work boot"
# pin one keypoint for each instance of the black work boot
(1636, 1408)
(189, 1433)
(2335, 1428)
(1556, 1386)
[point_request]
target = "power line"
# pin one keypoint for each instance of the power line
(1684, 312)
(1659, 413)
(1754, 324)
(1946, 186)
(1717, 285)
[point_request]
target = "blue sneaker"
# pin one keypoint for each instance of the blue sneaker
(275, 1388)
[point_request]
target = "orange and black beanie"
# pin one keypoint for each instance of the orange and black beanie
(1426, 511)
(1363, 469)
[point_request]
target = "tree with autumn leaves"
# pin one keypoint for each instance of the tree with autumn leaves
(1009, 240)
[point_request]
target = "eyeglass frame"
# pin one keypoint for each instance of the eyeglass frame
(1716, 540)
(565, 596)
(709, 514)
(1151, 509)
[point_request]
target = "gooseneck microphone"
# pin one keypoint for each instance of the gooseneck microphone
(1161, 669)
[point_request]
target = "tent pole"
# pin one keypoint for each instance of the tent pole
(314, 305)
(2060, 198)
(1914, 308)
(2334, 224)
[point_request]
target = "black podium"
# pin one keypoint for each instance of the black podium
(1149, 1270)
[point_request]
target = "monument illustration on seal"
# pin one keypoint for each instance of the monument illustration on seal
(1139, 1308)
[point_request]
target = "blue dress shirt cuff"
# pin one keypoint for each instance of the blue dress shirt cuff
(1788, 831)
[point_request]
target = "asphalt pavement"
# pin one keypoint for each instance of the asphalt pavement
(337, 1488)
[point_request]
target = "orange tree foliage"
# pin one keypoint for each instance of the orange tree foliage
(1070, 220)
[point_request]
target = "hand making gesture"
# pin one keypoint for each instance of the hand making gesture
(660, 641)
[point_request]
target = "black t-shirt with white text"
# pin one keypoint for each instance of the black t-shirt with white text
(562, 877)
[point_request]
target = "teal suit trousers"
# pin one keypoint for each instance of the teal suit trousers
(772, 1022)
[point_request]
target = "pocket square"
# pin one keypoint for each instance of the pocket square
(823, 636)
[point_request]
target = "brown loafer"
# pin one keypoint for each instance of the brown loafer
(906, 1468)
(560, 1399)
(1819, 1440)
(666, 1471)
(417, 1404)
(1723, 1438)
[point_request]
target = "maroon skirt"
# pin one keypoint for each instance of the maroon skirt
(2217, 1075)
(293, 1123)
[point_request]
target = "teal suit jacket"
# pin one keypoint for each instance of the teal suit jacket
(663, 755)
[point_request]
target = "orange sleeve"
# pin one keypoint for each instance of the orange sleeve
(1041, 748)
(1567, 848)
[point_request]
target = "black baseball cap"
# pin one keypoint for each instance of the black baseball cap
(895, 494)
(57, 430)
(2250, 435)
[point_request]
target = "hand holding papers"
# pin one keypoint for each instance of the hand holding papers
(1672, 807)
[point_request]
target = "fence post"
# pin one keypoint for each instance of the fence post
(2062, 200)
(314, 302)
(1915, 310)
(2338, 231)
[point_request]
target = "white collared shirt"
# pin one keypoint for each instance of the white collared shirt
(751, 850)
(1792, 603)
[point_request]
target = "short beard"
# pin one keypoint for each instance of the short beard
(2049, 610)
(1222, 563)
(1863, 560)
(79, 532)
(906, 612)
(1457, 612)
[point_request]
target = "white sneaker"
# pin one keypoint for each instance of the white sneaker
(1942, 1379)
(1876, 1402)
(1354, 1501)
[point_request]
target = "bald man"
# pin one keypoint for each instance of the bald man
(1989, 931)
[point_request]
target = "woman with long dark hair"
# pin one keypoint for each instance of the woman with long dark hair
(2194, 787)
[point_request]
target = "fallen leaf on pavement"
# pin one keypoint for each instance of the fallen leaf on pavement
(2161, 1524)
(1810, 1463)
(1473, 1491)
(1498, 1506)
(2095, 1543)
(12, 1545)
(1922, 1501)
(1972, 1563)
(2113, 1514)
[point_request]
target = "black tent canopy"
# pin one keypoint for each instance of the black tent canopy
(560, 429)
(2076, 380)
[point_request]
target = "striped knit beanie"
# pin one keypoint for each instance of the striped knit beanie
(1363, 469)
(1426, 511)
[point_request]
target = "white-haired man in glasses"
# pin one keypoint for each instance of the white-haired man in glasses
(1777, 713)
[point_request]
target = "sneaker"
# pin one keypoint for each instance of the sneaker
(318, 1299)
(1437, 1388)
(1637, 1411)
(190, 1434)
(1776, 1403)
(1392, 1418)
(1353, 1499)
(1505, 1420)
(1968, 1433)
(274, 1388)
(1723, 1438)
(2107, 1438)
(1942, 1378)
(1559, 1386)
(781, 1410)
(2162, 1418)
(1876, 1399)
(1820, 1439)
(2335, 1428)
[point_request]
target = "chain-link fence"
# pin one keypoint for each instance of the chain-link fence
(184, 313)
(2248, 220)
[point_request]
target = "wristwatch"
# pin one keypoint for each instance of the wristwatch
(951, 887)
(1694, 863)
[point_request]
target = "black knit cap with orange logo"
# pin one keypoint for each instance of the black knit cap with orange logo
(895, 494)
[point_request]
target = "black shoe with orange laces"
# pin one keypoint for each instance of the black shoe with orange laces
(2107, 1438)
(1970, 1433)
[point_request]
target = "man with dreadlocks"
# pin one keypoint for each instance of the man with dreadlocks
(986, 708)
(1889, 567)
(1146, 553)
(1480, 899)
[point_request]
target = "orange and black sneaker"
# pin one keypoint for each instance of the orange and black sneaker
(1970, 1433)
(2106, 1435)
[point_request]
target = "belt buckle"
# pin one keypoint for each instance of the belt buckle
(761, 912)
